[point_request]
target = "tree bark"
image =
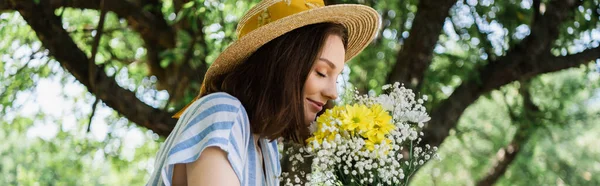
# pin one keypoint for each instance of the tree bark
(157, 34)
(5, 5)
(415, 56)
(529, 58)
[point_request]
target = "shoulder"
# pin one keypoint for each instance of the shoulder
(217, 98)
(217, 111)
(215, 120)
(219, 103)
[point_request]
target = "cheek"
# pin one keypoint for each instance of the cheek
(311, 85)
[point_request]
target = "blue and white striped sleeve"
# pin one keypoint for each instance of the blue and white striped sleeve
(216, 120)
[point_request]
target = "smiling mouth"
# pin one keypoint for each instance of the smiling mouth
(318, 106)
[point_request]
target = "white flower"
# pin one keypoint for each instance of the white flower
(297, 180)
(347, 151)
(386, 102)
(413, 135)
(417, 117)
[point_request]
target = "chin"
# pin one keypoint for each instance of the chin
(310, 119)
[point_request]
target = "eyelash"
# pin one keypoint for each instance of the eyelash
(321, 74)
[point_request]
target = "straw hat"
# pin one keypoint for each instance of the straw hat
(270, 19)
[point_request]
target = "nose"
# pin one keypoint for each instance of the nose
(330, 91)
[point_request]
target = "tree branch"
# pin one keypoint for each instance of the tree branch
(97, 37)
(536, 10)
(525, 60)
(149, 23)
(186, 71)
(146, 23)
(146, 18)
(511, 113)
(551, 63)
(48, 28)
(5, 5)
(92, 114)
(416, 53)
(506, 155)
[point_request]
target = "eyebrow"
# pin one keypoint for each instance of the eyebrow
(328, 62)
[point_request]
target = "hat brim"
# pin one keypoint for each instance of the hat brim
(362, 23)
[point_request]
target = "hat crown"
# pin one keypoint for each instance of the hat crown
(267, 11)
(361, 23)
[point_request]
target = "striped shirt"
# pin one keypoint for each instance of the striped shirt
(217, 120)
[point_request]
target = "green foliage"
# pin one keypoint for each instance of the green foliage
(67, 159)
(42, 148)
(560, 146)
(560, 150)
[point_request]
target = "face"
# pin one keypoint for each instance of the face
(321, 83)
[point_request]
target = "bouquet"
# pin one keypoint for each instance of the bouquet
(371, 140)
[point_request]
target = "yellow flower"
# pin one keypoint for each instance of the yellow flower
(373, 124)
(381, 116)
(356, 118)
(382, 124)
(324, 125)
(370, 145)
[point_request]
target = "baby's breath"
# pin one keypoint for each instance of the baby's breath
(371, 141)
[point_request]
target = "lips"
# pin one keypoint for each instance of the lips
(317, 106)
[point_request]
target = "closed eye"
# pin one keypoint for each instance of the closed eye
(321, 74)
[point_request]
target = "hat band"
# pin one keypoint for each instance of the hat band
(277, 11)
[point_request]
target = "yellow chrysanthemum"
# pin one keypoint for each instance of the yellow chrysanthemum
(324, 124)
(370, 144)
(356, 118)
(381, 116)
(382, 124)
(372, 123)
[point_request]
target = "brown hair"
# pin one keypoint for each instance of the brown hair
(270, 82)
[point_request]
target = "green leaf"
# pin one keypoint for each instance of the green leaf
(188, 4)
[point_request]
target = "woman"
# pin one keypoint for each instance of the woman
(269, 84)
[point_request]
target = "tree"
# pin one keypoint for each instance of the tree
(503, 139)
(129, 53)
